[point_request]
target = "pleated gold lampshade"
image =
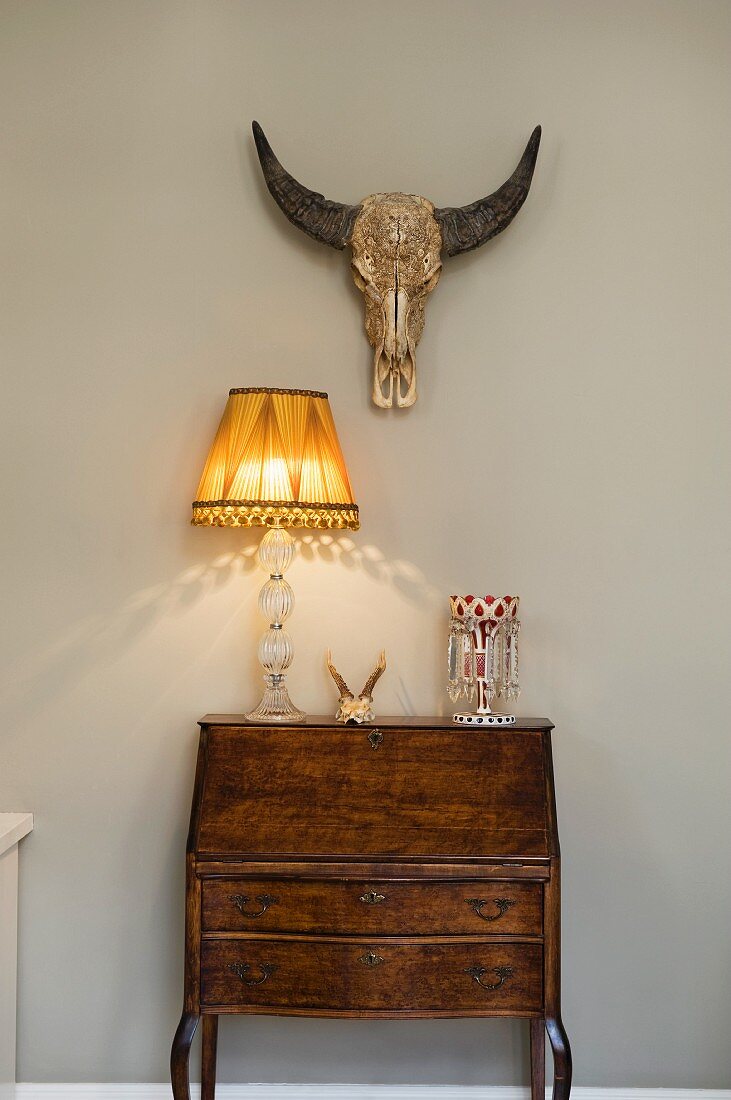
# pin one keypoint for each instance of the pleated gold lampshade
(276, 461)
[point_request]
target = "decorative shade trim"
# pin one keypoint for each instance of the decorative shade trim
(267, 389)
(288, 513)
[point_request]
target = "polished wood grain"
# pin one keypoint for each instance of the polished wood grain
(498, 870)
(559, 1040)
(180, 1054)
(209, 1051)
(372, 906)
(448, 834)
(376, 976)
(426, 793)
(538, 1059)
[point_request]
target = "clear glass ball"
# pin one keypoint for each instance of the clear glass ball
(276, 601)
(276, 550)
(275, 651)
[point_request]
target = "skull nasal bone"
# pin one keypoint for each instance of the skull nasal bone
(402, 310)
(389, 309)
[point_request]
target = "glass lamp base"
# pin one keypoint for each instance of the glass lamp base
(276, 651)
(276, 705)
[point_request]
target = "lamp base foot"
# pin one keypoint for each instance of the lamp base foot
(276, 706)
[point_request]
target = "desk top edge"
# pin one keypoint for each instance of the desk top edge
(320, 721)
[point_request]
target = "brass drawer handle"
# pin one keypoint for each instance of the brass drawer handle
(265, 900)
(375, 737)
(370, 959)
(503, 904)
(242, 969)
(502, 972)
(372, 898)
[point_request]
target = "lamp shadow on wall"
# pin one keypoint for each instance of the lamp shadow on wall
(37, 677)
(404, 576)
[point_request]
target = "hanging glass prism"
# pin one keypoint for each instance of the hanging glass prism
(461, 661)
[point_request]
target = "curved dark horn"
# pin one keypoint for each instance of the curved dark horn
(466, 227)
(325, 221)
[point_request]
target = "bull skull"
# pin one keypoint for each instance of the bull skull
(396, 242)
(351, 709)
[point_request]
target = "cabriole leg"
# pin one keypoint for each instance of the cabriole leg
(538, 1059)
(210, 1044)
(180, 1056)
(561, 1058)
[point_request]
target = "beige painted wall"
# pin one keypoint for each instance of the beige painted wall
(571, 443)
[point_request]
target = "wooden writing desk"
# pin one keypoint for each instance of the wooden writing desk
(408, 869)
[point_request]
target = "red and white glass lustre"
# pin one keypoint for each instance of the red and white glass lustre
(483, 655)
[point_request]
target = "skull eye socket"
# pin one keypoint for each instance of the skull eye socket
(358, 277)
(432, 278)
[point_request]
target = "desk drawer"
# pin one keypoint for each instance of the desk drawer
(473, 978)
(371, 908)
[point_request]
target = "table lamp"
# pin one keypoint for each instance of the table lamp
(276, 463)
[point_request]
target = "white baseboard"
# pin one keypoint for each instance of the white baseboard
(350, 1092)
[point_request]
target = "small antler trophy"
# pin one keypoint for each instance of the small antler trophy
(361, 709)
(483, 655)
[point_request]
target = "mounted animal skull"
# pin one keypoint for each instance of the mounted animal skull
(360, 709)
(396, 241)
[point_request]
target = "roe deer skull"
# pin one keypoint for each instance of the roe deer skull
(396, 241)
(351, 709)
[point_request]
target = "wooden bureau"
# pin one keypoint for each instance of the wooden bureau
(408, 869)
